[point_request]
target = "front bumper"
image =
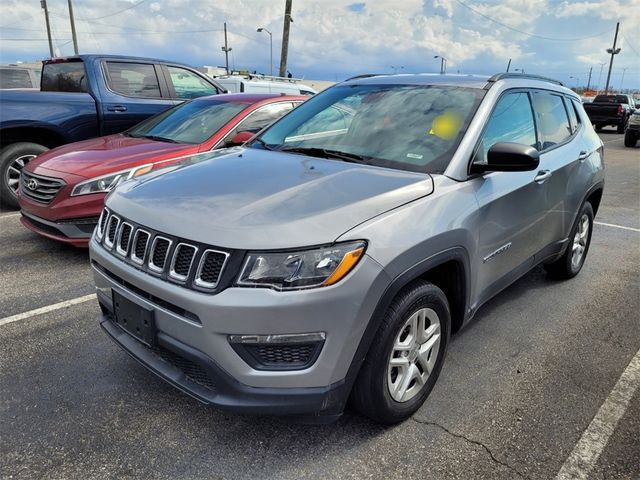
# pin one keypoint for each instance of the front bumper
(75, 232)
(342, 311)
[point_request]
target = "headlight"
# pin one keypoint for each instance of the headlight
(318, 267)
(108, 182)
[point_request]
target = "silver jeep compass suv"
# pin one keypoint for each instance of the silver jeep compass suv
(332, 256)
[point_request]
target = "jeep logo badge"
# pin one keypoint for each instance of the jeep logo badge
(32, 184)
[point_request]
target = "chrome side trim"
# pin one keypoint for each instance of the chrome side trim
(279, 339)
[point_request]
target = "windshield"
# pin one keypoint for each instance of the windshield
(408, 127)
(190, 122)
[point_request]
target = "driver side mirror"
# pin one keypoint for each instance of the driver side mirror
(509, 157)
(239, 138)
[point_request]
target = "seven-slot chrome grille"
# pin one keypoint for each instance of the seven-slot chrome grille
(39, 188)
(189, 264)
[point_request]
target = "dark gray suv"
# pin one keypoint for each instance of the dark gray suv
(332, 256)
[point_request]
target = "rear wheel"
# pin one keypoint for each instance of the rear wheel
(599, 127)
(622, 125)
(13, 158)
(630, 138)
(406, 356)
(571, 262)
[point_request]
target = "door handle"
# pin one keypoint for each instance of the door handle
(117, 108)
(542, 176)
(583, 156)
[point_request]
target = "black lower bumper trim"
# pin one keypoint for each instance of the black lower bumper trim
(79, 229)
(210, 384)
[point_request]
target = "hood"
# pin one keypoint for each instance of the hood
(259, 199)
(98, 156)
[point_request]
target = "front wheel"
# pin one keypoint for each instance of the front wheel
(630, 138)
(571, 262)
(13, 158)
(406, 356)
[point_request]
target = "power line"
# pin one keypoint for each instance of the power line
(119, 11)
(527, 33)
(628, 43)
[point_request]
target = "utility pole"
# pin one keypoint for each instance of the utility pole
(600, 76)
(285, 38)
(73, 28)
(589, 81)
(624, 70)
(226, 49)
(43, 4)
(508, 65)
(613, 51)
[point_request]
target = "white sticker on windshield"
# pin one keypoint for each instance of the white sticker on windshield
(414, 155)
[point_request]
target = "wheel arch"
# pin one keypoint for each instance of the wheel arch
(41, 134)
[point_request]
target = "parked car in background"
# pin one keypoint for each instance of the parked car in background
(19, 76)
(62, 191)
(87, 96)
(612, 110)
(632, 134)
(264, 84)
(333, 255)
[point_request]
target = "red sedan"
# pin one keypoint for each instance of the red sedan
(62, 191)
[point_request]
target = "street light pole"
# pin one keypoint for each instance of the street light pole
(73, 28)
(576, 79)
(443, 64)
(226, 49)
(43, 4)
(600, 76)
(261, 29)
(613, 51)
(622, 80)
(589, 81)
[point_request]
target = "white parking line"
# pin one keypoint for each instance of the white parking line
(47, 309)
(595, 438)
(619, 139)
(7, 215)
(617, 226)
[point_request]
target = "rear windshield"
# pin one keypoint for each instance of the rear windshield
(64, 77)
(190, 122)
(15, 78)
(611, 99)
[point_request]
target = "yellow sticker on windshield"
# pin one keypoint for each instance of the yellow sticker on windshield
(446, 126)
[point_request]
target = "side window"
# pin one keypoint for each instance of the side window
(14, 78)
(264, 116)
(188, 85)
(510, 121)
(552, 119)
(133, 79)
(573, 117)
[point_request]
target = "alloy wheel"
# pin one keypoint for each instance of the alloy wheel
(12, 175)
(580, 241)
(414, 355)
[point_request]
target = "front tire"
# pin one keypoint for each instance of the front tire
(13, 158)
(630, 138)
(406, 356)
(571, 262)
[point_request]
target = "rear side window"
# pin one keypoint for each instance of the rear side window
(188, 85)
(133, 79)
(552, 119)
(510, 121)
(573, 117)
(14, 78)
(64, 77)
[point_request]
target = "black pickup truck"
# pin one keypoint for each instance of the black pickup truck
(610, 110)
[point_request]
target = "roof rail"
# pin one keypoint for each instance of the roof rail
(502, 76)
(364, 75)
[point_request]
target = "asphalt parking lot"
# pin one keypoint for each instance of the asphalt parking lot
(538, 366)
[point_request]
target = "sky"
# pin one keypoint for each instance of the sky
(335, 39)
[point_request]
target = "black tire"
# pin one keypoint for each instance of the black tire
(630, 138)
(370, 395)
(599, 127)
(8, 156)
(564, 268)
(621, 126)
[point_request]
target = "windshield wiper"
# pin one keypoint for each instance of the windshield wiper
(159, 139)
(264, 144)
(328, 153)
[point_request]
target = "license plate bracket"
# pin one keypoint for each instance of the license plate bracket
(136, 320)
